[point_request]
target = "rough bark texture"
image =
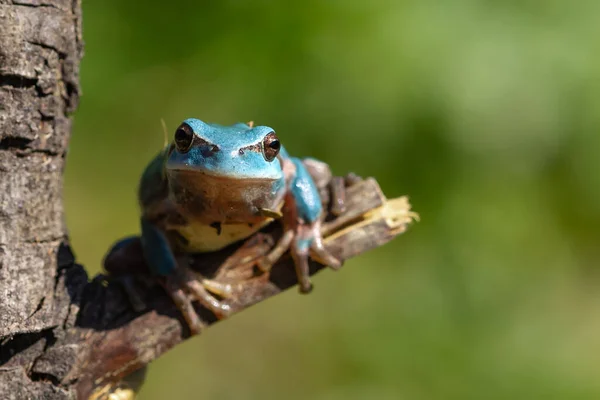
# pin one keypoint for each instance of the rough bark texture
(40, 49)
(61, 336)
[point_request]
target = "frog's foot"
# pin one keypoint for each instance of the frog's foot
(301, 241)
(338, 186)
(309, 239)
(184, 288)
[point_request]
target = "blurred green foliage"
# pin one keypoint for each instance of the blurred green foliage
(485, 112)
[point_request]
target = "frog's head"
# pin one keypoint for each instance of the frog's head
(229, 152)
(234, 168)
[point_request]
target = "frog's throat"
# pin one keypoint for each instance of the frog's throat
(209, 198)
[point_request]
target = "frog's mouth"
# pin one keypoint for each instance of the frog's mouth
(212, 198)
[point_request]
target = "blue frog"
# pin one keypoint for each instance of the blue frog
(215, 185)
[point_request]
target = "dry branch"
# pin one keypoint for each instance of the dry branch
(126, 342)
(107, 341)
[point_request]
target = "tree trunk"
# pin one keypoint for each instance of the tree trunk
(40, 50)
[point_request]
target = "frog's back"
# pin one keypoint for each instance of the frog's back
(153, 188)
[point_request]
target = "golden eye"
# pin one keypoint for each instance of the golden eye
(271, 146)
(184, 137)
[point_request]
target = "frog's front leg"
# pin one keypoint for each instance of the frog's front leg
(177, 278)
(332, 189)
(308, 238)
(302, 212)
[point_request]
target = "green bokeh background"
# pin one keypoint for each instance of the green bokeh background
(484, 112)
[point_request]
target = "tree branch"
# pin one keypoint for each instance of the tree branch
(125, 342)
(109, 341)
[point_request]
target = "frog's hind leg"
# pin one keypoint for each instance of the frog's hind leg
(178, 280)
(126, 267)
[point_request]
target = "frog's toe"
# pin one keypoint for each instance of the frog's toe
(266, 263)
(305, 285)
(224, 290)
(184, 288)
(184, 305)
(199, 293)
(318, 250)
(323, 255)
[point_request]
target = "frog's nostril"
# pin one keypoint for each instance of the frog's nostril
(209, 151)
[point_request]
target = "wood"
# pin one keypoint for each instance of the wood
(109, 341)
(40, 49)
(126, 341)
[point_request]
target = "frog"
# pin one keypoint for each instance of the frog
(214, 185)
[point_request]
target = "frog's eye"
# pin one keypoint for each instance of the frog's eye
(271, 146)
(184, 136)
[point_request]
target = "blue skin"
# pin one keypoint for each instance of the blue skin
(306, 199)
(157, 250)
(233, 164)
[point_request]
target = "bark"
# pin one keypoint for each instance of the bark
(40, 49)
(61, 335)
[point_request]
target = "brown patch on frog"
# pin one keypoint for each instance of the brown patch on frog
(186, 199)
(208, 198)
(217, 226)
